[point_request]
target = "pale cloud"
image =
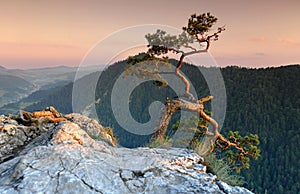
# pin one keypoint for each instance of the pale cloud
(259, 39)
(284, 41)
(259, 54)
(38, 45)
(288, 41)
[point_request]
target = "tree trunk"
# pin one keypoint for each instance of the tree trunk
(167, 112)
(180, 104)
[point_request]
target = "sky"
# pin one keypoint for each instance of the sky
(61, 32)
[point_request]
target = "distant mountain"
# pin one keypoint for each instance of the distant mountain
(2, 68)
(13, 88)
(34, 98)
(50, 75)
(41, 78)
(263, 101)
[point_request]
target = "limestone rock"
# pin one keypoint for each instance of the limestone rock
(65, 159)
(92, 127)
(14, 137)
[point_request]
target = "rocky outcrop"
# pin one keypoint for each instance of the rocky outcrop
(63, 158)
(15, 135)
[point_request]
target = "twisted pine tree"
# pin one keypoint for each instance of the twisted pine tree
(195, 38)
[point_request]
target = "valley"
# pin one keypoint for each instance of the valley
(262, 101)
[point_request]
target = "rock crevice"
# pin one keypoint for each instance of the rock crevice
(65, 158)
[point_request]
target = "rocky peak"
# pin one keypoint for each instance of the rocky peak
(63, 157)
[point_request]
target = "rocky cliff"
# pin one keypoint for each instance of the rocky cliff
(80, 156)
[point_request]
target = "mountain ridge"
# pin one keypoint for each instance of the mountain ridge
(41, 78)
(263, 101)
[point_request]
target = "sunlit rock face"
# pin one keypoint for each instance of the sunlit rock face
(63, 158)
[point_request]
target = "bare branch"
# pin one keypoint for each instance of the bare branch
(205, 99)
(190, 47)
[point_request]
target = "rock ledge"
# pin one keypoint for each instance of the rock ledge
(63, 158)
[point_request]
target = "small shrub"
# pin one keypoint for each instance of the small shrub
(99, 137)
(110, 132)
(161, 143)
(96, 137)
(222, 170)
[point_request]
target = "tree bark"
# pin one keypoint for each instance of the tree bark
(180, 104)
(167, 112)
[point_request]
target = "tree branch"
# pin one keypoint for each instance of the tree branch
(179, 104)
(184, 79)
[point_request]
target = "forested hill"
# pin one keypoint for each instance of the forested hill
(267, 102)
(262, 101)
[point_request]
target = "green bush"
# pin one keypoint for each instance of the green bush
(161, 143)
(222, 170)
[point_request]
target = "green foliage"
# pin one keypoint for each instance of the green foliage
(249, 144)
(235, 158)
(199, 24)
(161, 43)
(160, 83)
(191, 126)
(144, 66)
(139, 58)
(222, 170)
(161, 143)
(99, 137)
(96, 137)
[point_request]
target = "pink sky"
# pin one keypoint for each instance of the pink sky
(51, 33)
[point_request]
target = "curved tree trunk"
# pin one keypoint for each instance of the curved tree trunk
(167, 112)
(180, 104)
